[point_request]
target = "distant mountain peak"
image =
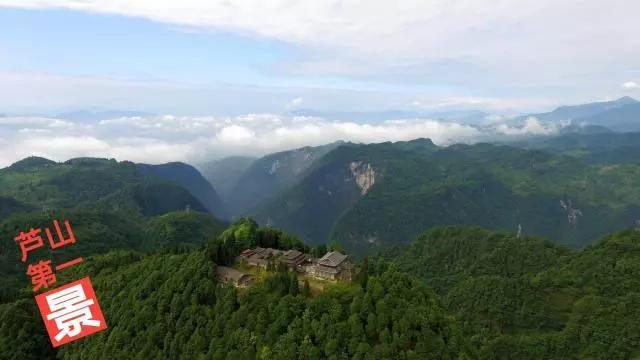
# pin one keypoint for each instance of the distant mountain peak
(626, 100)
(583, 111)
(421, 140)
(31, 162)
(598, 105)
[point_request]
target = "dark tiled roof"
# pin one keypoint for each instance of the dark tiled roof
(293, 257)
(332, 259)
(292, 254)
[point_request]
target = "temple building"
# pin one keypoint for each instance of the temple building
(332, 266)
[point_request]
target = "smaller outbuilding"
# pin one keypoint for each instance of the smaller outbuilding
(228, 275)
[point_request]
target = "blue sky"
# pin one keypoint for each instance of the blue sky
(74, 43)
(239, 56)
(200, 63)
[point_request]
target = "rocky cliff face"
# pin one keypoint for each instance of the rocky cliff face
(572, 213)
(364, 175)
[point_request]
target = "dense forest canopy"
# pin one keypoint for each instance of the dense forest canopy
(456, 292)
(525, 298)
(371, 196)
(168, 304)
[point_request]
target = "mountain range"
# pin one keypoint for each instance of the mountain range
(368, 197)
(371, 196)
(38, 183)
(435, 287)
(622, 114)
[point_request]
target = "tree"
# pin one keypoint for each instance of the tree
(293, 284)
(335, 246)
(363, 276)
(319, 251)
(306, 289)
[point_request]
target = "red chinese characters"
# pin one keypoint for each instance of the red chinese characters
(41, 273)
(61, 240)
(71, 312)
(31, 240)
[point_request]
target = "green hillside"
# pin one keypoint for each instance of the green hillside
(371, 196)
(597, 148)
(38, 183)
(9, 206)
(180, 228)
(99, 232)
(454, 293)
(168, 305)
(525, 298)
(191, 180)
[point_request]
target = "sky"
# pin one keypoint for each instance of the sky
(232, 60)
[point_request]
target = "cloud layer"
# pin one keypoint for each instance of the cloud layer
(158, 139)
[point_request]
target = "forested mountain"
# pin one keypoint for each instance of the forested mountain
(455, 293)
(225, 173)
(368, 196)
(598, 148)
(9, 206)
(268, 176)
(191, 180)
(180, 228)
(98, 232)
(334, 185)
(525, 298)
(167, 304)
(37, 183)
(623, 118)
(109, 203)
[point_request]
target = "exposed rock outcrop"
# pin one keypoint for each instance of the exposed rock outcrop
(275, 166)
(572, 213)
(364, 175)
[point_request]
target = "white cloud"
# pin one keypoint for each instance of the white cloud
(532, 126)
(523, 41)
(157, 139)
(631, 85)
(61, 147)
(235, 134)
(61, 124)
